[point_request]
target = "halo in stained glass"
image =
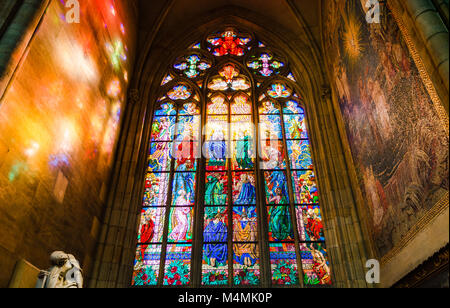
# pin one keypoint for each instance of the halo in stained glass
(268, 107)
(315, 264)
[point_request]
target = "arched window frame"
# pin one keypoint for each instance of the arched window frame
(259, 86)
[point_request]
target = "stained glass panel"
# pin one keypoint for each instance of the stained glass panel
(245, 224)
(156, 189)
(163, 128)
(305, 188)
(246, 264)
(309, 221)
(295, 126)
(270, 127)
(185, 155)
(166, 110)
(292, 107)
(244, 188)
(315, 264)
(216, 188)
(146, 265)
(216, 225)
(183, 189)
(228, 43)
(283, 262)
(179, 93)
(276, 187)
(241, 105)
(215, 264)
(299, 154)
(279, 91)
(160, 156)
(152, 225)
(216, 128)
(244, 154)
(273, 155)
(178, 265)
(189, 109)
(242, 127)
(181, 224)
(268, 107)
(217, 106)
(280, 223)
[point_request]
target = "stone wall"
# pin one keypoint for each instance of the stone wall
(60, 114)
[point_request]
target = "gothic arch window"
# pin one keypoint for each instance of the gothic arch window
(231, 196)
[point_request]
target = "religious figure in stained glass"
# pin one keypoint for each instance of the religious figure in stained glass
(229, 220)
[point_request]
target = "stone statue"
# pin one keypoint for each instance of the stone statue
(64, 273)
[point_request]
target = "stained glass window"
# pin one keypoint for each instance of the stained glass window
(230, 187)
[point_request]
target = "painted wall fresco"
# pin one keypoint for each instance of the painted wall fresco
(59, 124)
(398, 145)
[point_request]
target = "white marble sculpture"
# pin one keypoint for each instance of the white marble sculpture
(64, 273)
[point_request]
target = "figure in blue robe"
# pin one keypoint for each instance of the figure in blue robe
(216, 232)
(247, 194)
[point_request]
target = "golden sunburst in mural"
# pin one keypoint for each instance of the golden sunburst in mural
(352, 38)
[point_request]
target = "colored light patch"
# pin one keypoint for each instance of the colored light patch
(156, 189)
(146, 265)
(152, 225)
(299, 154)
(183, 189)
(273, 155)
(215, 264)
(160, 157)
(280, 224)
(180, 224)
(276, 187)
(245, 224)
(246, 271)
(244, 188)
(163, 128)
(309, 221)
(316, 268)
(283, 262)
(305, 188)
(295, 126)
(178, 265)
(216, 188)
